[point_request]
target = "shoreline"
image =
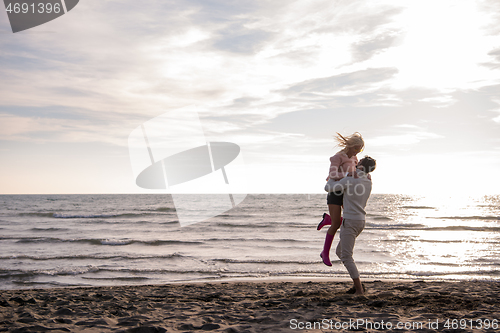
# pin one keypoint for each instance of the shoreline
(257, 306)
(271, 279)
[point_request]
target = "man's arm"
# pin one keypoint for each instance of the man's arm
(338, 185)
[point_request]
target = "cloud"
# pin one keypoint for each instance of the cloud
(490, 9)
(217, 11)
(496, 110)
(407, 126)
(275, 75)
(366, 49)
(59, 124)
(360, 17)
(495, 63)
(139, 60)
(403, 139)
(238, 39)
(358, 80)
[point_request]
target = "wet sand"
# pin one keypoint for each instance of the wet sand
(258, 306)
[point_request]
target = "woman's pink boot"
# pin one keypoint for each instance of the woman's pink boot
(325, 254)
(325, 221)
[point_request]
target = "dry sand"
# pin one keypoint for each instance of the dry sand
(256, 307)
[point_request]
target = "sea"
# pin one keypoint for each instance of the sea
(51, 241)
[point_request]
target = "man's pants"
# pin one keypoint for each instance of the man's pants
(348, 232)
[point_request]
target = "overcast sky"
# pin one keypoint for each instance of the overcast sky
(418, 79)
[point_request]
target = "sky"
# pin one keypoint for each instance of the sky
(420, 80)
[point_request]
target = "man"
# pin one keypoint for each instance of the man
(357, 188)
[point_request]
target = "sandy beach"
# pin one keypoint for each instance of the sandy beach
(257, 306)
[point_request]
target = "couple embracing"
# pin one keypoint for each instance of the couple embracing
(349, 186)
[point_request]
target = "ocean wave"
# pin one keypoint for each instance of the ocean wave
(48, 229)
(417, 207)
(271, 262)
(473, 266)
(453, 241)
(378, 217)
(117, 278)
(156, 242)
(91, 257)
(110, 273)
(472, 271)
(400, 226)
(165, 209)
(45, 284)
(266, 261)
(272, 240)
(130, 275)
(443, 264)
(135, 236)
(91, 216)
(19, 274)
(48, 214)
(257, 225)
(382, 218)
(417, 226)
(338, 269)
(180, 270)
(167, 222)
(222, 271)
(487, 218)
(108, 242)
(463, 228)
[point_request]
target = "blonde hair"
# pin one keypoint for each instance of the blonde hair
(349, 141)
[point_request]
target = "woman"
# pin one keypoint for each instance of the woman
(341, 164)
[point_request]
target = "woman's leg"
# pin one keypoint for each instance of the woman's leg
(335, 212)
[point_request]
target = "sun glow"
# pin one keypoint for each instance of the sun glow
(443, 45)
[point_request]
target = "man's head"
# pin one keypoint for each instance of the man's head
(367, 164)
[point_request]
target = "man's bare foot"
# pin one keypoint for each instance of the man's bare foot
(359, 288)
(354, 291)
